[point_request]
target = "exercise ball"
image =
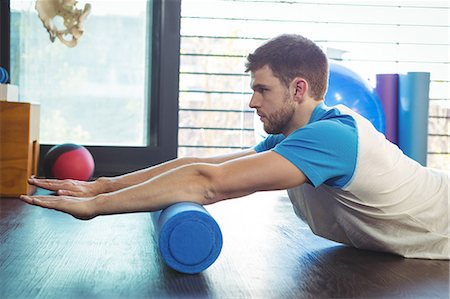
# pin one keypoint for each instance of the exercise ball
(69, 161)
(350, 89)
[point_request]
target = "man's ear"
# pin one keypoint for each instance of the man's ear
(300, 88)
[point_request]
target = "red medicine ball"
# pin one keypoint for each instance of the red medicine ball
(69, 161)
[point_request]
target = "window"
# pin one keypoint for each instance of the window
(372, 36)
(94, 93)
(110, 91)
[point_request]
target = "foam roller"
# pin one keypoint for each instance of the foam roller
(189, 238)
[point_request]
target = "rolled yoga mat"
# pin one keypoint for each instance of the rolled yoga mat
(3, 76)
(387, 90)
(189, 238)
(414, 90)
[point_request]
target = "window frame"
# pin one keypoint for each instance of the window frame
(162, 105)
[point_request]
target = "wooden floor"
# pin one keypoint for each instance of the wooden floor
(267, 253)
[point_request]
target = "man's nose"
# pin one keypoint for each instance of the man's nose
(254, 101)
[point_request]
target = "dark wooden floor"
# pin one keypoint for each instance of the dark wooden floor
(267, 253)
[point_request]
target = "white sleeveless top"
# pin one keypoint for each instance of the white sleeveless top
(391, 204)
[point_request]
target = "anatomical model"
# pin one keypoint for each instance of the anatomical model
(73, 19)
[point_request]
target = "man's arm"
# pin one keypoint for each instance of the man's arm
(130, 179)
(199, 182)
(111, 184)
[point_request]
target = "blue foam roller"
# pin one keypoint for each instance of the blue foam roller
(189, 238)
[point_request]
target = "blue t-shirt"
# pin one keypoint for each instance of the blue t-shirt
(325, 149)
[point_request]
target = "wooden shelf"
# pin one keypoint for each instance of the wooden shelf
(19, 146)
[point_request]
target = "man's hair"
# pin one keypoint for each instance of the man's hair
(290, 56)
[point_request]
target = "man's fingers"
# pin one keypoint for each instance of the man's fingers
(26, 199)
(43, 201)
(33, 201)
(54, 185)
(45, 183)
(77, 207)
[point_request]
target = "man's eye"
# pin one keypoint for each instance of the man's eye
(262, 90)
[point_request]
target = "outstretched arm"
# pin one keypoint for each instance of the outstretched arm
(111, 184)
(131, 179)
(199, 182)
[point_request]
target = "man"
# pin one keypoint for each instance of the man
(343, 177)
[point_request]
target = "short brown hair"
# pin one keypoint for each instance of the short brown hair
(290, 56)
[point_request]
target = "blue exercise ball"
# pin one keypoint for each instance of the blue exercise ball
(350, 89)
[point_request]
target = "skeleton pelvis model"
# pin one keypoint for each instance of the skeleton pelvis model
(73, 19)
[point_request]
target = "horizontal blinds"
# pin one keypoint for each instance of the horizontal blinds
(371, 36)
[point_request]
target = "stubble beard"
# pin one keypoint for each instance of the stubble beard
(277, 122)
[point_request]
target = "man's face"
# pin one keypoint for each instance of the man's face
(272, 101)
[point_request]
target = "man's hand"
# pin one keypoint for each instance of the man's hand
(79, 207)
(201, 183)
(69, 187)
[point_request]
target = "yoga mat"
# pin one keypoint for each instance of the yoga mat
(189, 238)
(3, 75)
(413, 115)
(387, 90)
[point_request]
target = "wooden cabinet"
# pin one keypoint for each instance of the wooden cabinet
(19, 147)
